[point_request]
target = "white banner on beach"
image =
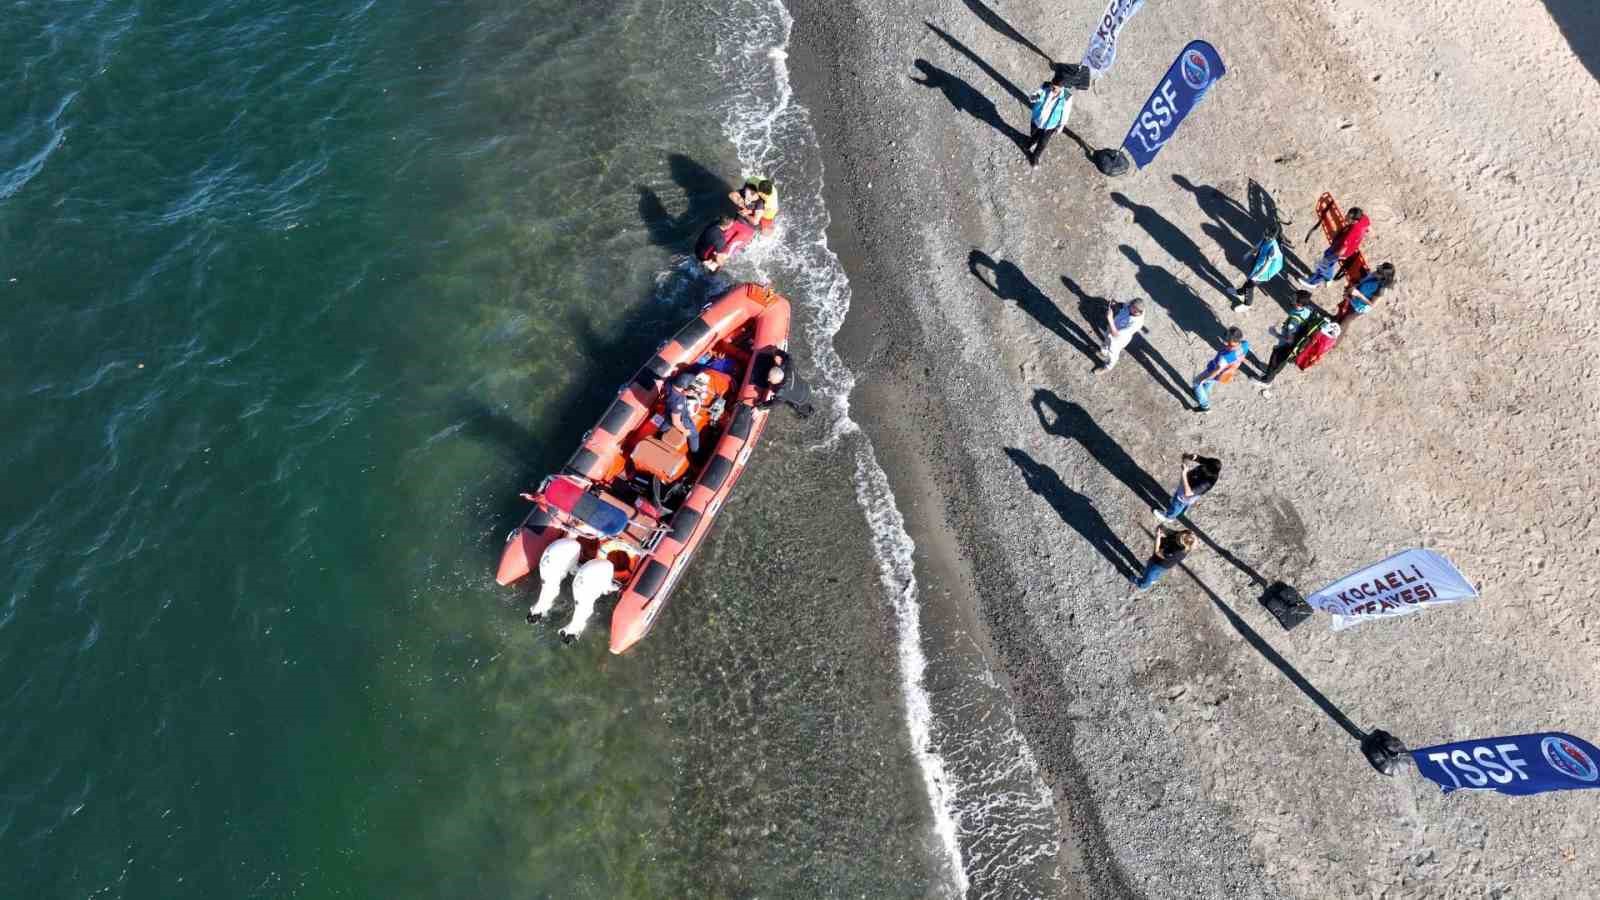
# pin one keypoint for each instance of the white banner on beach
(1406, 582)
(1102, 50)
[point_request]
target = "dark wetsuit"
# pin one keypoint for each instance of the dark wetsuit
(792, 390)
(713, 240)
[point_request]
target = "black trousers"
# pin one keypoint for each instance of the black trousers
(1280, 358)
(1037, 138)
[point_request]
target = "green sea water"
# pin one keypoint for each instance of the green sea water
(296, 297)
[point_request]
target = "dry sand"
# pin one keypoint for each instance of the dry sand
(1459, 415)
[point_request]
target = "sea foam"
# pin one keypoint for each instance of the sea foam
(772, 134)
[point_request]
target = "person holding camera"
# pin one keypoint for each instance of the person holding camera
(1193, 483)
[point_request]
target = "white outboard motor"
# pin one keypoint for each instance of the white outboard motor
(558, 561)
(591, 583)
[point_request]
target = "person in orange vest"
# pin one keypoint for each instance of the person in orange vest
(1222, 368)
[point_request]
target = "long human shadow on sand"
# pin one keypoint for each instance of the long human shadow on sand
(1271, 655)
(1140, 350)
(1063, 418)
(1017, 93)
(707, 196)
(994, 20)
(967, 98)
(1237, 231)
(1078, 511)
(1172, 240)
(1182, 305)
(1579, 21)
(1010, 284)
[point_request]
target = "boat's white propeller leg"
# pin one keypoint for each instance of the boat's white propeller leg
(591, 583)
(558, 561)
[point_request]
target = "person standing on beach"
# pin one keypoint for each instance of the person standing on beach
(1123, 323)
(1171, 547)
(1365, 293)
(1052, 105)
(1222, 368)
(1266, 261)
(1345, 245)
(1288, 335)
(1193, 483)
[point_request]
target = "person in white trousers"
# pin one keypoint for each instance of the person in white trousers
(1123, 321)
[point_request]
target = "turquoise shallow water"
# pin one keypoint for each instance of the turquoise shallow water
(296, 296)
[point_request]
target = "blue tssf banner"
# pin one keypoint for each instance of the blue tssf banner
(1180, 90)
(1521, 764)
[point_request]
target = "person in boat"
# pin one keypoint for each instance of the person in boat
(781, 383)
(757, 202)
(721, 240)
(682, 403)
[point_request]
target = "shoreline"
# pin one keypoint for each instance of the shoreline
(892, 381)
(1179, 754)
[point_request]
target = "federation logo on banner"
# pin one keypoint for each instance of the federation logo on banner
(1405, 583)
(1196, 71)
(1102, 50)
(1518, 765)
(1186, 83)
(1569, 759)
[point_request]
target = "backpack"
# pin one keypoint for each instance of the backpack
(1077, 76)
(1110, 161)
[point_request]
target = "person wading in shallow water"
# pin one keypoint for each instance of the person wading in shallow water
(781, 383)
(1171, 546)
(757, 203)
(1052, 105)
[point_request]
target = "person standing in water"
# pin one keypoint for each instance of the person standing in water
(720, 240)
(757, 202)
(1052, 106)
(781, 383)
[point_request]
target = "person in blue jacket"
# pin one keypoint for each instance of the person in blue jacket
(1052, 105)
(1365, 293)
(1265, 262)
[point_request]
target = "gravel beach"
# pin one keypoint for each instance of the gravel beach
(1178, 728)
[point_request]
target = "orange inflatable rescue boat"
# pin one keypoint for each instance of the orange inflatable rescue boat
(632, 505)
